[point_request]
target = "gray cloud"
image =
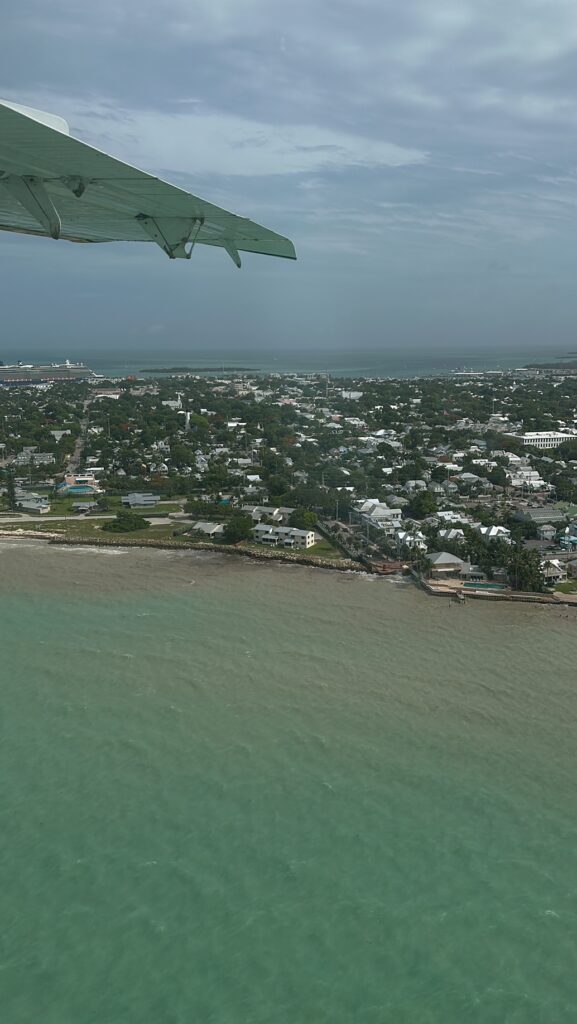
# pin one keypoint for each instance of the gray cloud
(408, 147)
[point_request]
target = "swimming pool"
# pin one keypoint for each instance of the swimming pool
(76, 489)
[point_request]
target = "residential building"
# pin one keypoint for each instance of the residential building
(494, 533)
(546, 532)
(209, 529)
(443, 563)
(259, 512)
(530, 479)
(137, 499)
(412, 539)
(379, 515)
(35, 503)
(283, 536)
(451, 534)
(553, 571)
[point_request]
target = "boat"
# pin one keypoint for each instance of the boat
(20, 373)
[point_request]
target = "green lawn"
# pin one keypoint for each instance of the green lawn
(162, 509)
(570, 587)
(324, 549)
(90, 528)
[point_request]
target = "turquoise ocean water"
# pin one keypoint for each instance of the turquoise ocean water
(389, 361)
(245, 794)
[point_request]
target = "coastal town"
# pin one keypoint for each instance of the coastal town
(469, 480)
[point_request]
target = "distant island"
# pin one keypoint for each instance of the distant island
(201, 369)
(572, 365)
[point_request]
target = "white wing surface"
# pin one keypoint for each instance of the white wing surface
(52, 184)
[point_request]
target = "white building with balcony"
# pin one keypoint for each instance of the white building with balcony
(283, 536)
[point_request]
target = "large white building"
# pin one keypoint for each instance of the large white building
(544, 438)
(283, 536)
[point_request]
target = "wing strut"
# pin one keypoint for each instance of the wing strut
(31, 193)
(172, 234)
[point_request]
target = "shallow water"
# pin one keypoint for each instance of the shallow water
(236, 792)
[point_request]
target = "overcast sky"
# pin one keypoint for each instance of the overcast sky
(422, 156)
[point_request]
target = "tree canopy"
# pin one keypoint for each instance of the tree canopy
(126, 521)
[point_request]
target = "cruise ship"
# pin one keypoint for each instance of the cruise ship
(31, 373)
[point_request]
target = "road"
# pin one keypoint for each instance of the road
(76, 456)
(12, 520)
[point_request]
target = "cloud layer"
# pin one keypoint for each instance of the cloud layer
(434, 140)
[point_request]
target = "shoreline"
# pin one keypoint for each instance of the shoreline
(513, 596)
(286, 557)
(313, 561)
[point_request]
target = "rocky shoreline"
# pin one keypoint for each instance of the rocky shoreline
(343, 564)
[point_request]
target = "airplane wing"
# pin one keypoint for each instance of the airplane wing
(52, 184)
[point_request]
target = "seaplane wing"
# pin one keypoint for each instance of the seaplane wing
(52, 184)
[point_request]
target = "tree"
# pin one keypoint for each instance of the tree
(180, 455)
(422, 504)
(568, 450)
(439, 474)
(498, 476)
(278, 484)
(200, 423)
(238, 528)
(11, 493)
(525, 570)
(126, 521)
(303, 519)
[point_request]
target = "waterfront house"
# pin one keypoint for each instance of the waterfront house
(472, 573)
(377, 514)
(283, 536)
(36, 503)
(208, 529)
(415, 540)
(553, 571)
(443, 563)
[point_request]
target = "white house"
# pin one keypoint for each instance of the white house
(451, 534)
(137, 499)
(283, 536)
(377, 514)
(546, 532)
(411, 539)
(527, 478)
(258, 512)
(36, 503)
(553, 571)
(494, 533)
(448, 516)
(209, 529)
